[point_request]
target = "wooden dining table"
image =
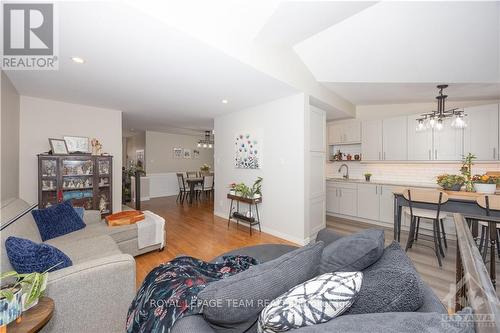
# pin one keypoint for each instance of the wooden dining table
(192, 182)
(458, 202)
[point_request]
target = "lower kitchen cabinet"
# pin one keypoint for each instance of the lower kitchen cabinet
(368, 201)
(386, 204)
(341, 199)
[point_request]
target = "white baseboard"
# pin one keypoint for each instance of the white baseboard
(270, 231)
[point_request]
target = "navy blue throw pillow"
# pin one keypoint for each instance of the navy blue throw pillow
(80, 211)
(57, 220)
(28, 257)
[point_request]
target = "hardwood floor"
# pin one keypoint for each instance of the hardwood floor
(193, 230)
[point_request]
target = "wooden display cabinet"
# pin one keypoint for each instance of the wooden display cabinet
(86, 180)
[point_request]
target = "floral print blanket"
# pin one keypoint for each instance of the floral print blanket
(169, 292)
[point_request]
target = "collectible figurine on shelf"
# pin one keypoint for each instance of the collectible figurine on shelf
(96, 147)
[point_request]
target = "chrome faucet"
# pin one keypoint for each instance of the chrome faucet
(346, 175)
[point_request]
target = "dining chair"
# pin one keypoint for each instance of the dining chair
(489, 203)
(437, 198)
(208, 185)
(192, 174)
(183, 190)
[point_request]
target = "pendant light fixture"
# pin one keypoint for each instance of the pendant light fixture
(207, 142)
(435, 119)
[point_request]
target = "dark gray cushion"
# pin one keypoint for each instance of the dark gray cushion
(237, 300)
(408, 322)
(327, 236)
(190, 324)
(354, 252)
(390, 285)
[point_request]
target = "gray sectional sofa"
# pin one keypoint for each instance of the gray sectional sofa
(92, 295)
(430, 316)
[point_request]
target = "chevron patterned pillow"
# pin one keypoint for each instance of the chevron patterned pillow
(313, 302)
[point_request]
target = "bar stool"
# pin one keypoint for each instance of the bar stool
(415, 196)
(489, 202)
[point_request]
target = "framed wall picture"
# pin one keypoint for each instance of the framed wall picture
(187, 153)
(178, 152)
(58, 146)
(77, 144)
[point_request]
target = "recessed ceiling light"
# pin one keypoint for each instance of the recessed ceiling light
(224, 101)
(78, 60)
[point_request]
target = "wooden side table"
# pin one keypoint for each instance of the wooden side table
(32, 320)
(238, 216)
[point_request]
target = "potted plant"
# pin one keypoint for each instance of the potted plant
(368, 176)
(451, 182)
(485, 184)
(20, 294)
(466, 170)
(205, 169)
(245, 191)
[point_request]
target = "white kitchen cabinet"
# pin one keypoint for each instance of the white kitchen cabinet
(334, 134)
(371, 140)
(386, 204)
(368, 201)
(347, 132)
(332, 199)
(481, 133)
(448, 143)
(352, 132)
(419, 142)
(341, 198)
(348, 201)
(394, 137)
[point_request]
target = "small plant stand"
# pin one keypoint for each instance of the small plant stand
(248, 217)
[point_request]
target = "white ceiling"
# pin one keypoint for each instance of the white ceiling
(168, 64)
(398, 93)
(161, 78)
(409, 41)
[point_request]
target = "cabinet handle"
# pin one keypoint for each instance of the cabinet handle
(430, 155)
(380, 189)
(340, 191)
(435, 154)
(376, 189)
(494, 153)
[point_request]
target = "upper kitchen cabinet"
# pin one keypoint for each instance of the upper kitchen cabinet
(394, 136)
(371, 140)
(419, 142)
(448, 143)
(345, 132)
(481, 133)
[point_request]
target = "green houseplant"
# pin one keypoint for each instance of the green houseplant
(451, 182)
(466, 170)
(367, 176)
(21, 293)
(245, 191)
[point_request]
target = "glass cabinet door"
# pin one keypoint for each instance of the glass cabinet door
(48, 182)
(78, 181)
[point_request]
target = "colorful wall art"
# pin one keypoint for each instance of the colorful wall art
(247, 151)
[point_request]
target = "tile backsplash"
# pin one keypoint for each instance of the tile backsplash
(423, 172)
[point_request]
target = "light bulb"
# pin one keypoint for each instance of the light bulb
(199, 145)
(439, 124)
(204, 145)
(209, 145)
(432, 122)
(420, 125)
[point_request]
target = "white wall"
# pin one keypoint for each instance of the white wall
(10, 140)
(135, 143)
(42, 119)
(280, 124)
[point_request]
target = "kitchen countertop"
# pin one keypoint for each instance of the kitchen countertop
(383, 182)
